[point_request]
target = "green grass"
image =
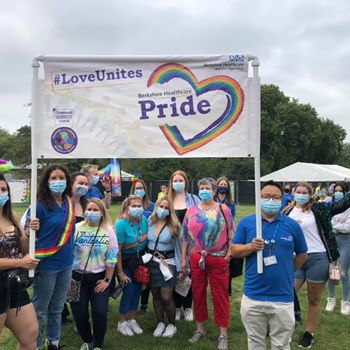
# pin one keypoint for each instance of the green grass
(333, 331)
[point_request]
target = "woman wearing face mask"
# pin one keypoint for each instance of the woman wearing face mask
(16, 310)
(163, 244)
(54, 247)
(132, 231)
(206, 232)
(287, 196)
(315, 221)
(223, 196)
(178, 193)
(95, 256)
(79, 191)
(139, 188)
(341, 227)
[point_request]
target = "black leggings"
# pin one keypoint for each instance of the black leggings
(163, 301)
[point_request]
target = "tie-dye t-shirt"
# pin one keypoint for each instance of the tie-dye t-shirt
(206, 229)
(104, 252)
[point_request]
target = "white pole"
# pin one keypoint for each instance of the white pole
(34, 170)
(256, 111)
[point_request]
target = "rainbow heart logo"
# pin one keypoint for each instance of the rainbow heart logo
(231, 113)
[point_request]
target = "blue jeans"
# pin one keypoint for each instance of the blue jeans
(99, 306)
(131, 295)
(343, 240)
(49, 295)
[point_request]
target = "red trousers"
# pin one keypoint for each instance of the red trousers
(217, 272)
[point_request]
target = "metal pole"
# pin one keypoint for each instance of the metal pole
(256, 111)
(34, 170)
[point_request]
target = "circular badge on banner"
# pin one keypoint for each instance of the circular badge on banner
(64, 140)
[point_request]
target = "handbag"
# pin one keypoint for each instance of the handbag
(16, 281)
(334, 273)
(236, 264)
(142, 274)
(73, 294)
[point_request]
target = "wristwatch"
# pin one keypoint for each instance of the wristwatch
(106, 279)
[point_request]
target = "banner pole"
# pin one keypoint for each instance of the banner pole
(256, 111)
(34, 170)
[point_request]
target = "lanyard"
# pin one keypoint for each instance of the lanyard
(271, 243)
(137, 234)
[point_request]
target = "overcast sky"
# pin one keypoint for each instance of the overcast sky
(303, 46)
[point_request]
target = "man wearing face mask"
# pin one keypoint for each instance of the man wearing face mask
(91, 172)
(267, 302)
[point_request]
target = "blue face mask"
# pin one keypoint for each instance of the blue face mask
(95, 180)
(135, 213)
(338, 196)
(3, 199)
(270, 207)
(301, 199)
(222, 189)
(205, 195)
(93, 216)
(162, 213)
(178, 186)
(58, 187)
(81, 190)
(141, 193)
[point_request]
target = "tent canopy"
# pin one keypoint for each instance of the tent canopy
(309, 172)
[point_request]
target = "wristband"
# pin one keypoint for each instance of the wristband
(106, 279)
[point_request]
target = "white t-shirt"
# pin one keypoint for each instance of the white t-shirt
(308, 224)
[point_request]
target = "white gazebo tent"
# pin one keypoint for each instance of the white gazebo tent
(309, 172)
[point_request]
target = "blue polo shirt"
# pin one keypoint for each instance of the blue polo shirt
(94, 192)
(129, 233)
(277, 281)
(50, 226)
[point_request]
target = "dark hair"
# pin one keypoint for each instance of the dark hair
(271, 183)
(146, 203)
(83, 199)
(343, 186)
(44, 194)
(228, 196)
(7, 208)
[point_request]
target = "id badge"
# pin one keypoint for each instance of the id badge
(270, 260)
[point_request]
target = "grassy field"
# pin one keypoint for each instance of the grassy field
(333, 331)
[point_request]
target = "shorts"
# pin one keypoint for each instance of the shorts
(16, 299)
(314, 269)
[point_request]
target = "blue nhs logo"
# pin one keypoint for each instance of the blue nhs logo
(236, 58)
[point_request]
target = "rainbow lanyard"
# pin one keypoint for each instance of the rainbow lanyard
(63, 236)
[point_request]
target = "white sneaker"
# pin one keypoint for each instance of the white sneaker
(124, 328)
(188, 314)
(330, 304)
(345, 308)
(178, 314)
(159, 330)
(135, 327)
(170, 330)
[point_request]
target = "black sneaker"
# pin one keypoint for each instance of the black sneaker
(306, 341)
(50, 346)
(143, 311)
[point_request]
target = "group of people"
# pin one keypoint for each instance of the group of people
(180, 237)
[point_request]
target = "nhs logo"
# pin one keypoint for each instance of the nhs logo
(236, 58)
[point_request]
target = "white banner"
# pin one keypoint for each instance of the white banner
(146, 107)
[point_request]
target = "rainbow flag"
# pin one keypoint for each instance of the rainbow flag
(113, 170)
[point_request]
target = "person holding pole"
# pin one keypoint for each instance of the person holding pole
(268, 299)
(54, 248)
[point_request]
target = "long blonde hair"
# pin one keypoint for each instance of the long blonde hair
(171, 221)
(105, 218)
(309, 204)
